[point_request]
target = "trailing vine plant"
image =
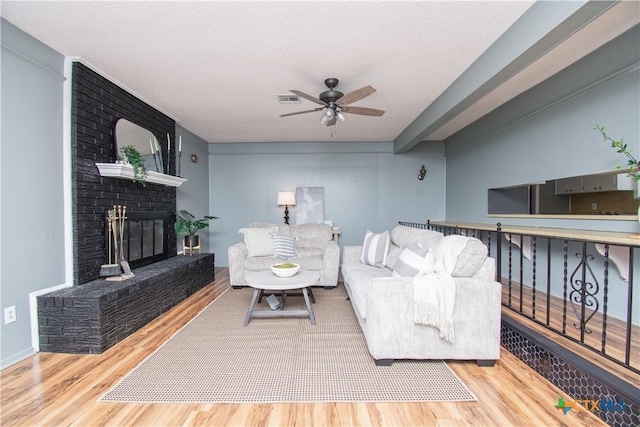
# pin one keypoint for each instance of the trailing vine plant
(633, 165)
(132, 156)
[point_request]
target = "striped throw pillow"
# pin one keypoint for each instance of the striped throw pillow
(412, 261)
(375, 249)
(283, 246)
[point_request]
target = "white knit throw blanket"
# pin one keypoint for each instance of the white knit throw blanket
(434, 290)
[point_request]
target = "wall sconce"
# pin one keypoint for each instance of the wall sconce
(422, 173)
(286, 199)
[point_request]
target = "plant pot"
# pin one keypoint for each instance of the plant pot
(191, 240)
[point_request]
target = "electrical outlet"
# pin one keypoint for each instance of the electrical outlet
(594, 206)
(10, 314)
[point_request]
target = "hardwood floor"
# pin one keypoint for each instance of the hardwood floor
(60, 389)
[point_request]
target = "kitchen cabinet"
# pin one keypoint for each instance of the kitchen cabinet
(597, 183)
(569, 185)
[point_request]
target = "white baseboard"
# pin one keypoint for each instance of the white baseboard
(15, 358)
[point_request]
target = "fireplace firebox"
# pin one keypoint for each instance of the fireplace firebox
(145, 237)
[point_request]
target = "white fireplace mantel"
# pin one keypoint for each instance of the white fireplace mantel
(124, 171)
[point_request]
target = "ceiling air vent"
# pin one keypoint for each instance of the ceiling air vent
(289, 99)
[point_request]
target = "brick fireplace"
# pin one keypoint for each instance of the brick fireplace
(97, 104)
(94, 314)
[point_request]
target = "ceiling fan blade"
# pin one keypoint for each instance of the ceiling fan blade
(363, 111)
(307, 97)
(302, 112)
(356, 95)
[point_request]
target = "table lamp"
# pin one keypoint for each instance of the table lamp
(286, 199)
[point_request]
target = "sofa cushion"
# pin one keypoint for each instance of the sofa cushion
(283, 246)
(392, 256)
(261, 263)
(311, 262)
(403, 236)
(470, 259)
(411, 261)
(359, 276)
(322, 231)
(258, 240)
(310, 246)
(375, 248)
(283, 229)
(311, 238)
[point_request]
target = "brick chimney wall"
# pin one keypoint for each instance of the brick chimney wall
(97, 104)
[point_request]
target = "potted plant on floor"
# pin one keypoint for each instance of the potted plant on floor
(187, 225)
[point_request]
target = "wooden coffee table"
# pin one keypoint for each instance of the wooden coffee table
(267, 281)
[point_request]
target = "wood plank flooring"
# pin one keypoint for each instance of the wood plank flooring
(60, 389)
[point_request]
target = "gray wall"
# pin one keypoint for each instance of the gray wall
(193, 195)
(547, 133)
(32, 252)
(365, 185)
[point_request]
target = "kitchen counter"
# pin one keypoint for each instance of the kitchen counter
(611, 237)
(568, 216)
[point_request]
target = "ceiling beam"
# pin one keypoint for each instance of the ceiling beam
(545, 25)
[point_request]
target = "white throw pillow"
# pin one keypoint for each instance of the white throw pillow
(412, 261)
(375, 249)
(283, 246)
(258, 240)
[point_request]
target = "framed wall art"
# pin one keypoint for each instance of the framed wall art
(309, 205)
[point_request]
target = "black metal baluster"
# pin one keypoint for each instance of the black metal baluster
(605, 299)
(499, 253)
(509, 270)
(627, 353)
(521, 272)
(533, 278)
(564, 284)
(548, 282)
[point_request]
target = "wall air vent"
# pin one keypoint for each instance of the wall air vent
(289, 99)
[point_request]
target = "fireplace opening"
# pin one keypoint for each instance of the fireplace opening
(146, 237)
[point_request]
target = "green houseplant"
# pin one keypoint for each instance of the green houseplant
(133, 157)
(633, 165)
(188, 225)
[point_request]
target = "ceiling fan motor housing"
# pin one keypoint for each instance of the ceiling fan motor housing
(331, 96)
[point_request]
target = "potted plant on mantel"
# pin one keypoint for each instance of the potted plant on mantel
(187, 225)
(132, 156)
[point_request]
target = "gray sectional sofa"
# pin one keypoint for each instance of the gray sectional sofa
(385, 305)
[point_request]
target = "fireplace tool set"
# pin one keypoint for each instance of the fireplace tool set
(117, 267)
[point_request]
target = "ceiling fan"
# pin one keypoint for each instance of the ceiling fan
(335, 103)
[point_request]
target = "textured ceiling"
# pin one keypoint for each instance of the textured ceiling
(216, 67)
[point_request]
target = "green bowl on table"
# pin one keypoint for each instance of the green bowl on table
(285, 269)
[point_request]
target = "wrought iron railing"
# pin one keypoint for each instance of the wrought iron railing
(580, 289)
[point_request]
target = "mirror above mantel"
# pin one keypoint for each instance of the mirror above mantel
(128, 133)
(609, 193)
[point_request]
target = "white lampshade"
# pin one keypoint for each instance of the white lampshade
(286, 198)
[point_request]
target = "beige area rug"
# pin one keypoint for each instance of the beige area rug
(215, 359)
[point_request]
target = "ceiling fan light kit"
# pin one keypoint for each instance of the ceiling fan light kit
(334, 103)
